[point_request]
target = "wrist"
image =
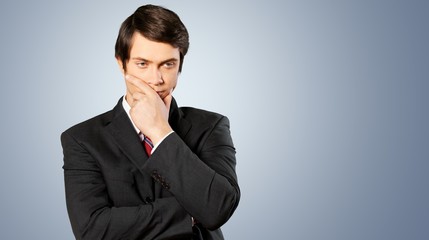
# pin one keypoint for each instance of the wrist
(159, 134)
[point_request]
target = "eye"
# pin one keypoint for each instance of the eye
(169, 64)
(141, 64)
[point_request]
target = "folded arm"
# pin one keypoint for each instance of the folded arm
(92, 214)
(204, 182)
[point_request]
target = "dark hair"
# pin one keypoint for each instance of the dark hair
(156, 24)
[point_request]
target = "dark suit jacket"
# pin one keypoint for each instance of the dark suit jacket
(114, 191)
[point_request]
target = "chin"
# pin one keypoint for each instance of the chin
(161, 95)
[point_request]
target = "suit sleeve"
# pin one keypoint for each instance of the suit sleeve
(92, 215)
(205, 182)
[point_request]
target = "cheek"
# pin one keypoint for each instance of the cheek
(171, 79)
(173, 83)
(131, 88)
(132, 70)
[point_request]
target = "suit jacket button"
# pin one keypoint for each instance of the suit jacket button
(156, 175)
(149, 200)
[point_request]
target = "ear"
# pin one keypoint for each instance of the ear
(121, 66)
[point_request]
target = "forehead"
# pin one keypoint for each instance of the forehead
(142, 47)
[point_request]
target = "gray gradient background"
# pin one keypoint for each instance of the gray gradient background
(335, 91)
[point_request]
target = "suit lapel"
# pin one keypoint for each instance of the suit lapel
(119, 126)
(125, 136)
(177, 121)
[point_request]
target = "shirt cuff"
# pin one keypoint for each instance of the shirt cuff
(155, 146)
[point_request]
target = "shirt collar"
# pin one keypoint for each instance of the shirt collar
(127, 109)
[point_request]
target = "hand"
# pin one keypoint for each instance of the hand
(148, 111)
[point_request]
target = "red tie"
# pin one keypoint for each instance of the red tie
(148, 145)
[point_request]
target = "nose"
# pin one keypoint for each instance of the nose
(155, 77)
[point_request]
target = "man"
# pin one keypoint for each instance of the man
(148, 169)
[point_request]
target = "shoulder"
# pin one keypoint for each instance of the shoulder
(90, 126)
(96, 123)
(204, 128)
(200, 117)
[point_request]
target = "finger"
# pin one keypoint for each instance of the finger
(167, 100)
(137, 96)
(140, 84)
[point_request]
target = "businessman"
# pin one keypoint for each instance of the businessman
(148, 169)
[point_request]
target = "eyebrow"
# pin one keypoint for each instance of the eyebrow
(161, 63)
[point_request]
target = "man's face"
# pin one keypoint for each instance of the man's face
(155, 63)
